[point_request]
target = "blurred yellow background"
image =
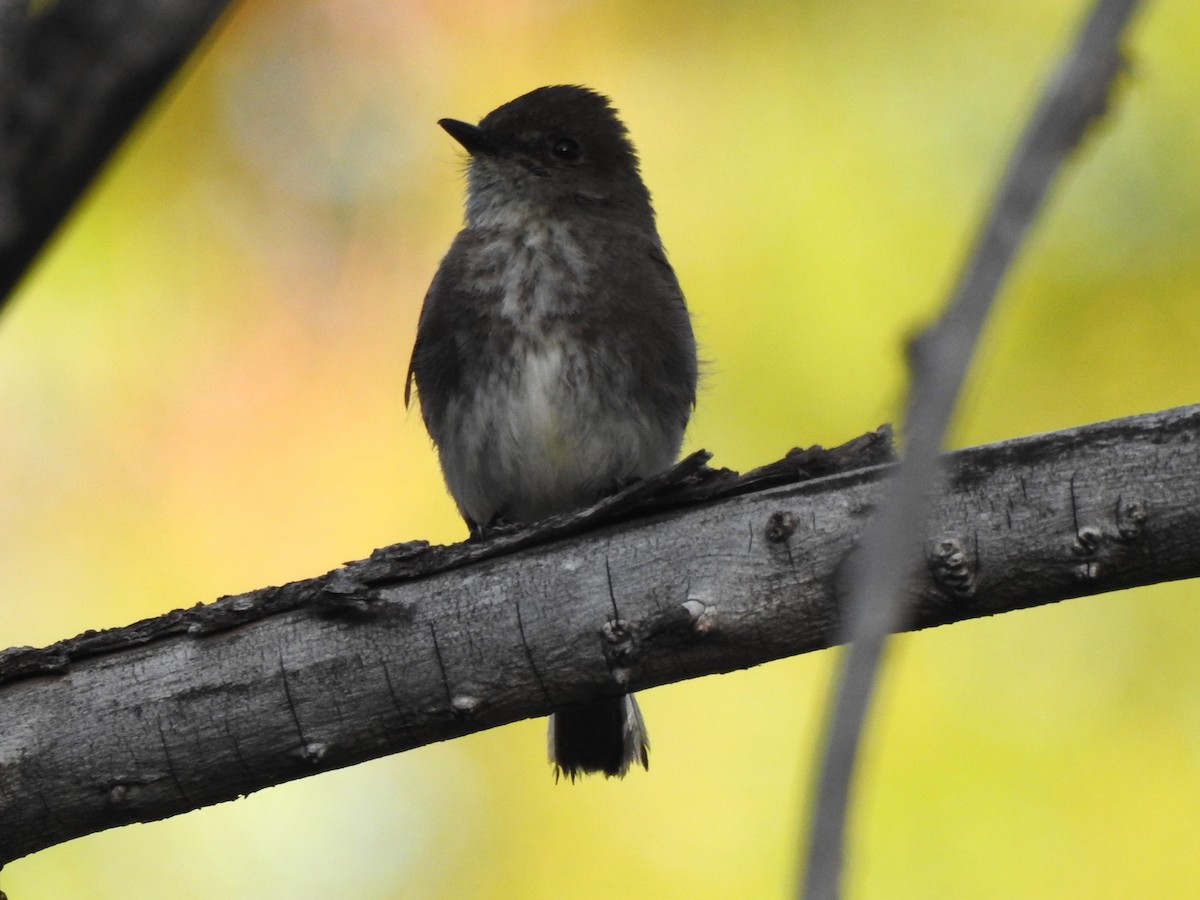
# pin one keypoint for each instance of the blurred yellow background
(200, 394)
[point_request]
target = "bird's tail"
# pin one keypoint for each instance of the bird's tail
(605, 735)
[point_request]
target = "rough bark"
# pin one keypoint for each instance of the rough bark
(419, 644)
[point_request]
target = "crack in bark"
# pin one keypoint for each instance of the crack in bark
(287, 691)
(529, 655)
(162, 736)
(441, 663)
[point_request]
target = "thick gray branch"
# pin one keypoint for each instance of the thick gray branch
(73, 80)
(423, 644)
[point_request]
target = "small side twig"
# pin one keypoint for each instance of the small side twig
(1075, 95)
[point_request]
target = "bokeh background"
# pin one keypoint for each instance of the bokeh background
(200, 394)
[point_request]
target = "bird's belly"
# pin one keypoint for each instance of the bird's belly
(549, 436)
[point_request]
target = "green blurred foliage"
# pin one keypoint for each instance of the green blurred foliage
(200, 393)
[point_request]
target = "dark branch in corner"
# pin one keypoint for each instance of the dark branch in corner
(73, 80)
(278, 684)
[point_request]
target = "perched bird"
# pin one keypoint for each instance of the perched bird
(554, 359)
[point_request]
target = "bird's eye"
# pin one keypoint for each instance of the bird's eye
(566, 149)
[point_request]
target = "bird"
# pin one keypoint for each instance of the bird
(555, 360)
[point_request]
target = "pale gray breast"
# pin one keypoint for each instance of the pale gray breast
(548, 431)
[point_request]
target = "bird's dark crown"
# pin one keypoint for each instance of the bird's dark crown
(556, 145)
(539, 122)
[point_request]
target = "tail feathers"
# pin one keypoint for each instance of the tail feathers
(606, 735)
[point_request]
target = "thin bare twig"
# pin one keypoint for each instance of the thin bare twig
(1074, 96)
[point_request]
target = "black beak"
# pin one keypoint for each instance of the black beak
(474, 139)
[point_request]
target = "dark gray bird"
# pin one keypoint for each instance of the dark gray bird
(554, 359)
